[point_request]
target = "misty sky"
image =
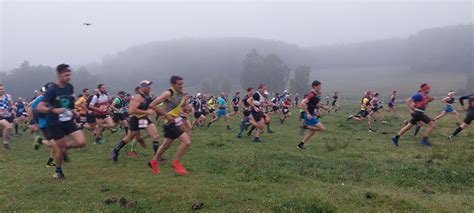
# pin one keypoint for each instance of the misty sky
(51, 33)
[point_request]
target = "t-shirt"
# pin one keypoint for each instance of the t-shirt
(102, 102)
(57, 97)
(38, 116)
(80, 102)
(313, 101)
(222, 104)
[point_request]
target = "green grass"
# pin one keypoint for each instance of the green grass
(344, 169)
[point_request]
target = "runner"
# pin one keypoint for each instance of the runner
(257, 103)
(375, 108)
(58, 103)
(6, 116)
(469, 116)
(235, 104)
(140, 114)
(82, 107)
(335, 103)
(100, 106)
(276, 104)
(417, 105)
(391, 103)
(120, 116)
(20, 114)
(286, 110)
(173, 100)
(449, 101)
(364, 113)
(221, 112)
(211, 103)
(247, 119)
(309, 105)
(38, 123)
(199, 105)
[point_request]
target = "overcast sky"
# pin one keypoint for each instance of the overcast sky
(53, 32)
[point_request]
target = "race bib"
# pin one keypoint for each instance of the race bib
(103, 108)
(178, 121)
(142, 123)
(66, 116)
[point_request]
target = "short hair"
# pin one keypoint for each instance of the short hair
(175, 79)
(315, 83)
(84, 90)
(261, 86)
(249, 89)
(62, 68)
(1, 85)
(100, 85)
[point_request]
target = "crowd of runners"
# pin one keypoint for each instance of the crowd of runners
(57, 117)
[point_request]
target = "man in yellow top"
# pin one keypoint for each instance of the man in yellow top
(81, 106)
(364, 112)
(173, 100)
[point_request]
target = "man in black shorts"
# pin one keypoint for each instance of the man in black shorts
(6, 116)
(469, 116)
(235, 104)
(173, 100)
(417, 105)
(58, 103)
(199, 105)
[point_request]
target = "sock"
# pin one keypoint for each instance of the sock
(242, 127)
(119, 146)
(301, 143)
(417, 130)
(50, 160)
(126, 130)
(251, 129)
(156, 145)
(425, 138)
(397, 137)
(134, 146)
(16, 128)
(268, 127)
(457, 131)
(209, 124)
(59, 170)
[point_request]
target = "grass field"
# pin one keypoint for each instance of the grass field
(345, 169)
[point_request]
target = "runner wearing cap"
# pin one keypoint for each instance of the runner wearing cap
(6, 116)
(173, 100)
(140, 113)
(469, 116)
(58, 103)
(448, 108)
(221, 112)
(417, 105)
(199, 105)
(309, 105)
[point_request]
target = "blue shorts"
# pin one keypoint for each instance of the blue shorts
(221, 113)
(310, 122)
(448, 108)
